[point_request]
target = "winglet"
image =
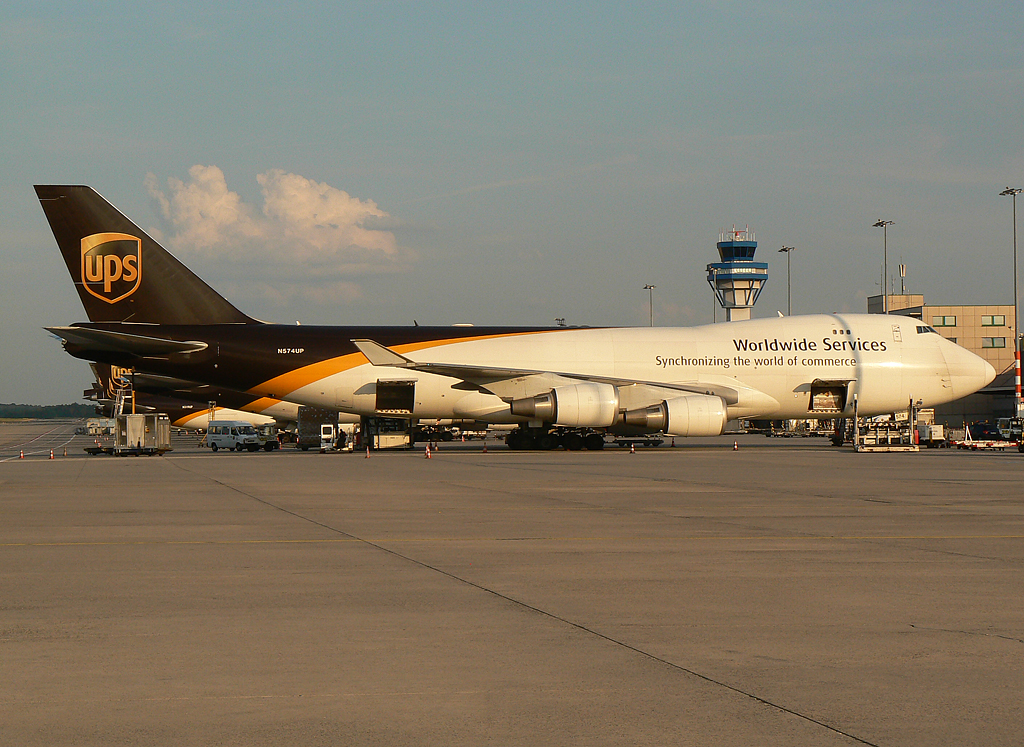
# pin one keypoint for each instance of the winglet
(378, 355)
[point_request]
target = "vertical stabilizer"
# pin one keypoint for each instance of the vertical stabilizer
(120, 272)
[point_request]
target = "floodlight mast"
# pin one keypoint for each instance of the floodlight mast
(650, 289)
(884, 225)
(789, 277)
(1018, 407)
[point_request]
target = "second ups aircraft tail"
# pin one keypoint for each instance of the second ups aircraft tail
(120, 272)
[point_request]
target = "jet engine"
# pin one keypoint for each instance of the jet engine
(587, 405)
(690, 415)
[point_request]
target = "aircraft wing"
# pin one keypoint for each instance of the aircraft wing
(509, 383)
(105, 341)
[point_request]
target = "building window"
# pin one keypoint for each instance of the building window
(943, 321)
(993, 342)
(993, 320)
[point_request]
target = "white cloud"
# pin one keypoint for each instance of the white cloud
(308, 238)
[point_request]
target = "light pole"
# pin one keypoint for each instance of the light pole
(713, 271)
(884, 225)
(789, 277)
(650, 290)
(1017, 409)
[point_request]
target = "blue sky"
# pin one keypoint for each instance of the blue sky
(469, 162)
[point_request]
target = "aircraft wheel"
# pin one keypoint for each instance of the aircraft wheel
(547, 442)
(520, 441)
(573, 442)
(594, 442)
(213, 447)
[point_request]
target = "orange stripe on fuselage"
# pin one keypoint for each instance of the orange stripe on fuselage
(281, 386)
(183, 421)
(259, 405)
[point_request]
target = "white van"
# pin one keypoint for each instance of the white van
(232, 434)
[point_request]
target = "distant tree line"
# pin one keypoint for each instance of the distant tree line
(43, 412)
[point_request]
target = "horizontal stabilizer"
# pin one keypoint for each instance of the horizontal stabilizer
(142, 346)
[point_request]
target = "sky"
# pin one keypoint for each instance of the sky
(450, 162)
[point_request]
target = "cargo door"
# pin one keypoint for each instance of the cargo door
(828, 397)
(395, 397)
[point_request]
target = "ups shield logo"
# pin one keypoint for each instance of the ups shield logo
(111, 265)
(119, 379)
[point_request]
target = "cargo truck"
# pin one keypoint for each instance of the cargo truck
(315, 424)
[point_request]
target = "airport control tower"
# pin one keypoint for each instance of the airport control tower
(737, 279)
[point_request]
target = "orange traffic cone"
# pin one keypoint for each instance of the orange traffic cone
(632, 448)
(485, 448)
(735, 445)
(65, 451)
(427, 452)
(51, 453)
(367, 451)
(22, 455)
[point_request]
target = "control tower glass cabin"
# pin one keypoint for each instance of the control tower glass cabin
(737, 280)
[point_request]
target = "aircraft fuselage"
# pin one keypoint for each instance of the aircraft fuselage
(768, 368)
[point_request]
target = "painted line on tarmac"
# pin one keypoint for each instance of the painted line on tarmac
(648, 539)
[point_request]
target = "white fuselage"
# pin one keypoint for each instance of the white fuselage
(883, 361)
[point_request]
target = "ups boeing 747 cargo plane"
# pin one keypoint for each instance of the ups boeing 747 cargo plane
(150, 313)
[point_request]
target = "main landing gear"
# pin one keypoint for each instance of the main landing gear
(542, 439)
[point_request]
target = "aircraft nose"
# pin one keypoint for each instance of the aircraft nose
(990, 374)
(968, 372)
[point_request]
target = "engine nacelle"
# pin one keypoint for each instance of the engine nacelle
(689, 415)
(586, 405)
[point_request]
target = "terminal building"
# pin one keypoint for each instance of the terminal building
(986, 331)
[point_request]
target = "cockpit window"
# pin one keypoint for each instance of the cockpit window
(922, 329)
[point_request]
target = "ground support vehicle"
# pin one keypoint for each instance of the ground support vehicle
(1011, 429)
(310, 429)
(138, 435)
(100, 426)
(546, 439)
(232, 434)
(267, 434)
(932, 435)
(624, 441)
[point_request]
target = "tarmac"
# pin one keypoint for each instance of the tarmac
(786, 592)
